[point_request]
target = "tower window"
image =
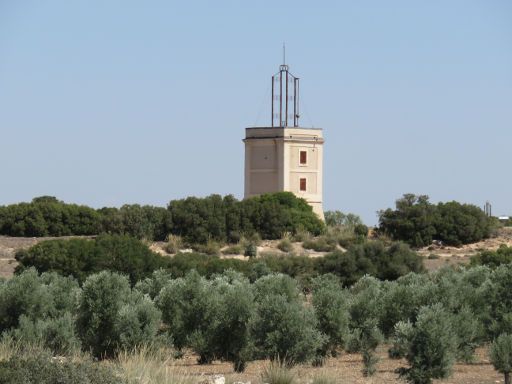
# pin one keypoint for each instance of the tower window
(303, 157)
(303, 184)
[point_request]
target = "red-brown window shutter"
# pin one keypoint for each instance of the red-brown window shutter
(303, 184)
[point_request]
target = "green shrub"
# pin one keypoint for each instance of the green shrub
(340, 219)
(276, 284)
(401, 339)
(231, 334)
(361, 231)
(188, 309)
(492, 259)
(401, 300)
(284, 328)
(413, 220)
(112, 317)
(501, 355)
(321, 244)
(331, 309)
(417, 222)
(365, 306)
(218, 218)
(371, 258)
(141, 222)
(23, 295)
(496, 302)
(152, 286)
(174, 244)
(285, 245)
(469, 332)
(137, 323)
(233, 250)
(212, 317)
(55, 334)
(459, 224)
(47, 216)
(43, 369)
(251, 250)
(211, 248)
(432, 346)
(80, 257)
(301, 235)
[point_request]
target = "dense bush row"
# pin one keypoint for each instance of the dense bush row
(432, 320)
(47, 216)
(503, 255)
(82, 257)
(196, 219)
(418, 222)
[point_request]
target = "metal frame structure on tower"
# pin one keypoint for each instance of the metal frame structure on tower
(282, 98)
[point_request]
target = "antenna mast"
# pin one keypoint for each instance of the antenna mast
(283, 97)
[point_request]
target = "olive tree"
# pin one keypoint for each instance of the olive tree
(364, 310)
(432, 346)
(284, 327)
(331, 308)
(111, 316)
(501, 355)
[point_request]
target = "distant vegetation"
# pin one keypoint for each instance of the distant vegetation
(493, 259)
(82, 257)
(197, 220)
(417, 222)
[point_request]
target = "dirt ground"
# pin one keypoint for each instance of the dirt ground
(436, 256)
(346, 369)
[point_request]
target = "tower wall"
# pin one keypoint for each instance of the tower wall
(273, 163)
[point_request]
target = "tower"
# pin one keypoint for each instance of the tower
(283, 157)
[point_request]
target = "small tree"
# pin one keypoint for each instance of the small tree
(501, 355)
(369, 338)
(137, 322)
(111, 316)
(232, 330)
(189, 308)
(331, 309)
(432, 347)
(103, 295)
(285, 329)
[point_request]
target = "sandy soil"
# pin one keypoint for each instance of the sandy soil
(445, 255)
(346, 369)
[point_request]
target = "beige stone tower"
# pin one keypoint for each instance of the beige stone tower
(284, 158)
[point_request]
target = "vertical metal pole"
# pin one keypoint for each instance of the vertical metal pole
(272, 108)
(294, 101)
(281, 98)
(286, 118)
(298, 102)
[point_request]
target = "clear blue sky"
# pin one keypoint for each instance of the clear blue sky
(112, 102)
